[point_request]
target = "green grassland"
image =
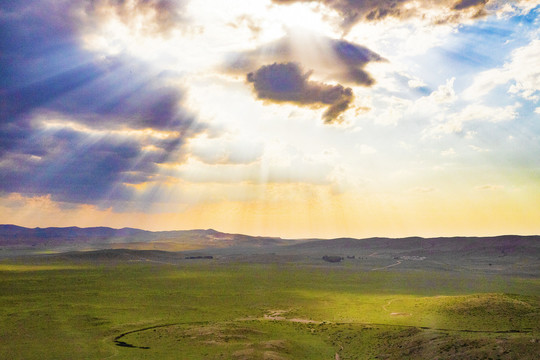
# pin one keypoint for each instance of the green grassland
(208, 309)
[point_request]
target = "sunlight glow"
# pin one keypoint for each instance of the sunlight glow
(187, 47)
(56, 125)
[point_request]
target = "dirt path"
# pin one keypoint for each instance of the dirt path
(388, 304)
(278, 316)
(385, 308)
(153, 261)
(337, 357)
(388, 266)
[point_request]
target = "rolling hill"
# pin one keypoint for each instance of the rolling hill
(508, 254)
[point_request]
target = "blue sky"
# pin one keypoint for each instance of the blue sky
(272, 117)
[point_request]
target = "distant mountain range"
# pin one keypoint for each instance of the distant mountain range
(93, 238)
(440, 247)
(17, 234)
(104, 237)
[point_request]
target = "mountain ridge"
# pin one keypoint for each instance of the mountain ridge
(18, 236)
(104, 237)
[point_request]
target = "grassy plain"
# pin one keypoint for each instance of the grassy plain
(210, 309)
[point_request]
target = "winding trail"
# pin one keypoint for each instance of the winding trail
(277, 316)
(337, 357)
(388, 266)
(152, 261)
(388, 304)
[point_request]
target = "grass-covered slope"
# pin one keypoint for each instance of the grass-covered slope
(117, 308)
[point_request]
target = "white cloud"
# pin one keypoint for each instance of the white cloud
(403, 37)
(485, 82)
(469, 135)
(226, 150)
(489, 187)
(365, 149)
(523, 72)
(416, 83)
(436, 103)
(444, 93)
(448, 152)
(525, 69)
(279, 163)
(477, 112)
(394, 111)
(449, 127)
(519, 7)
(477, 148)
(422, 190)
(454, 123)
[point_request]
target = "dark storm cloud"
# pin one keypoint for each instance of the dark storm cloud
(46, 76)
(354, 54)
(465, 4)
(284, 80)
(126, 93)
(355, 57)
(70, 169)
(346, 63)
(354, 11)
(45, 67)
(287, 83)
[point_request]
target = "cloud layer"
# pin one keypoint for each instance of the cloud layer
(158, 106)
(354, 11)
(76, 126)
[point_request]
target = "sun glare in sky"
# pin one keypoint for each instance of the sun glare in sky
(291, 118)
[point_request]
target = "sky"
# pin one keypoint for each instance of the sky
(289, 118)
